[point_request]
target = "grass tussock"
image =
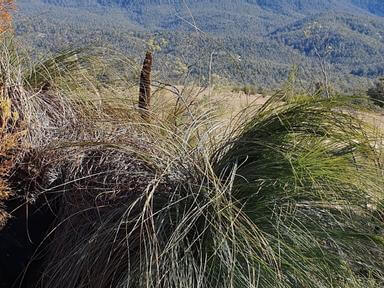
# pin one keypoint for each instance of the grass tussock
(288, 195)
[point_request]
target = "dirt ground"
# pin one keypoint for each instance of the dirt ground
(228, 104)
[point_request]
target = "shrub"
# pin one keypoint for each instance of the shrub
(246, 89)
(31, 119)
(377, 93)
(10, 137)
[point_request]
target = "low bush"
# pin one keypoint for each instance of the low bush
(246, 89)
(377, 93)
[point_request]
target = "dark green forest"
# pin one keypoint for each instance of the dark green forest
(254, 42)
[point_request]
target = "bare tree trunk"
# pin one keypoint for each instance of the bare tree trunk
(145, 86)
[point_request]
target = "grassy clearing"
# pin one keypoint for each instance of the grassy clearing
(281, 196)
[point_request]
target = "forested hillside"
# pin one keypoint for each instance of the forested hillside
(261, 39)
(280, 6)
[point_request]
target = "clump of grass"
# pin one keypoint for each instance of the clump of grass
(280, 203)
(279, 199)
(56, 114)
(304, 173)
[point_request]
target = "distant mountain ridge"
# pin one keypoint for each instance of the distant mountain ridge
(269, 35)
(375, 7)
(266, 15)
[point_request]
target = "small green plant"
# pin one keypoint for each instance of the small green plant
(377, 93)
(246, 89)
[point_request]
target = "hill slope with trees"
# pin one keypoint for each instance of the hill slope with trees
(343, 36)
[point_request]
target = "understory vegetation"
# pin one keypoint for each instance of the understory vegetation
(377, 93)
(285, 194)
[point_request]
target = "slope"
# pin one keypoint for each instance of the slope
(269, 36)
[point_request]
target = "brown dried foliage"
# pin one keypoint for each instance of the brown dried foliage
(10, 140)
(6, 7)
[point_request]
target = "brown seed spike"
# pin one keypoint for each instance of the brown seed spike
(145, 86)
